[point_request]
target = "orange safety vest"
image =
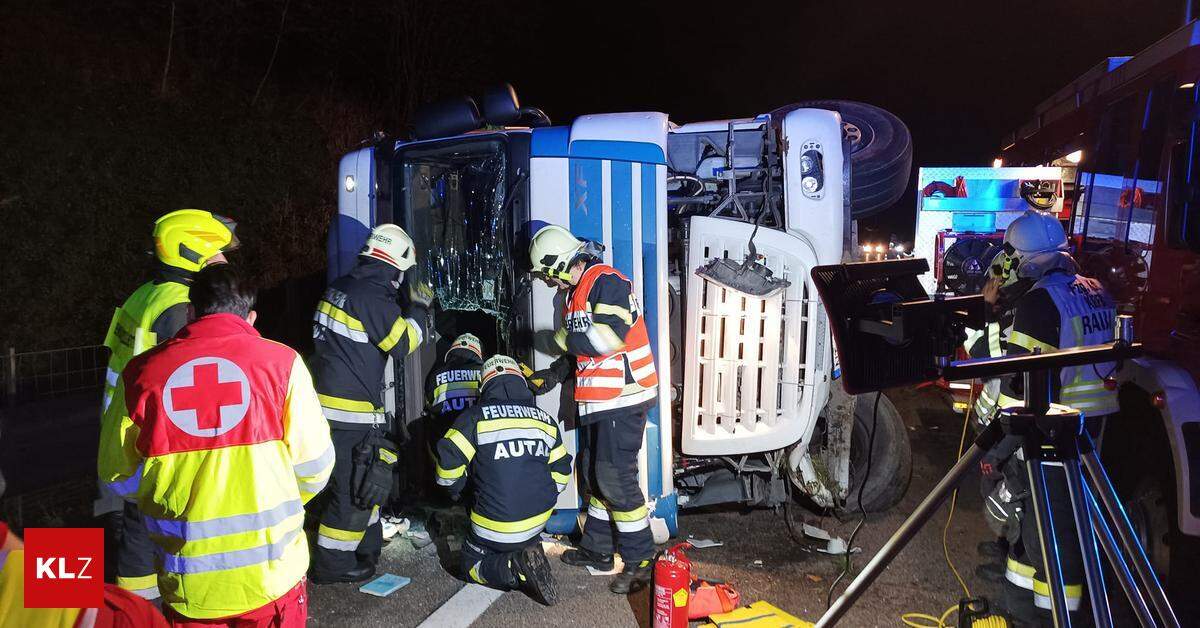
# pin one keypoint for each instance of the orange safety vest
(599, 379)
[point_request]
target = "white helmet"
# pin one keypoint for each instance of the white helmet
(552, 250)
(1034, 244)
(497, 366)
(470, 342)
(391, 244)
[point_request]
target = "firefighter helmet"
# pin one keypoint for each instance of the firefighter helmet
(469, 342)
(499, 366)
(188, 238)
(390, 244)
(1034, 244)
(552, 251)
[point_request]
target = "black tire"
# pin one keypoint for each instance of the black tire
(881, 152)
(891, 458)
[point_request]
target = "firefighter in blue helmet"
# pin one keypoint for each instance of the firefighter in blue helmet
(514, 454)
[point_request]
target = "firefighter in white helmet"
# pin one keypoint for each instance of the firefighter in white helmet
(358, 323)
(606, 345)
(1036, 281)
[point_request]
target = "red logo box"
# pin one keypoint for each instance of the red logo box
(64, 567)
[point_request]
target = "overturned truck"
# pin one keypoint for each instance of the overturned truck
(749, 409)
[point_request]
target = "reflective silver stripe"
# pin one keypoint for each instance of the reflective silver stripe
(514, 433)
(596, 512)
(374, 516)
(633, 526)
(347, 416)
(415, 328)
(108, 395)
(315, 466)
(196, 530)
(312, 488)
(506, 537)
(601, 381)
(644, 371)
(1043, 602)
(638, 353)
(1025, 582)
(561, 487)
(128, 486)
(150, 593)
(228, 560)
(340, 328)
(473, 393)
(335, 544)
(590, 407)
(112, 377)
(447, 481)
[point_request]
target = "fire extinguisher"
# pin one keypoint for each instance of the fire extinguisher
(672, 586)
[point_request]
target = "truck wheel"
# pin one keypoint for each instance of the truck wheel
(891, 458)
(880, 153)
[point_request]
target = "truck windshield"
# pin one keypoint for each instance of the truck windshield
(454, 207)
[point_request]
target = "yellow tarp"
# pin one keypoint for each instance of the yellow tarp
(757, 615)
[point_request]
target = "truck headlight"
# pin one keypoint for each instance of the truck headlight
(810, 184)
(350, 183)
(812, 170)
(806, 163)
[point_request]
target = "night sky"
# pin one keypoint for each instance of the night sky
(960, 74)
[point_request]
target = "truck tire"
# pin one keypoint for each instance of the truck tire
(891, 458)
(881, 151)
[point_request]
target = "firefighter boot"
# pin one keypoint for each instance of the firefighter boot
(534, 577)
(584, 557)
(361, 572)
(634, 577)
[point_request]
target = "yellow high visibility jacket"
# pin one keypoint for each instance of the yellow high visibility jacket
(133, 330)
(221, 443)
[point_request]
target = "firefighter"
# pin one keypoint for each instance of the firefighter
(514, 454)
(1052, 308)
(453, 386)
(184, 242)
(221, 441)
(615, 385)
(358, 324)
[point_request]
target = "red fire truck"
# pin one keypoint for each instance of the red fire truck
(1127, 137)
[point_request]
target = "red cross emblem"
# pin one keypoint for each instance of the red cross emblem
(207, 396)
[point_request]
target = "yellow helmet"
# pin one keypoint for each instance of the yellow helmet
(552, 250)
(188, 238)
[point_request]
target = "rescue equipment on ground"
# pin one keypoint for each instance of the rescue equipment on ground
(672, 588)
(757, 615)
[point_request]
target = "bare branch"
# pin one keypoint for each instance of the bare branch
(271, 63)
(170, 44)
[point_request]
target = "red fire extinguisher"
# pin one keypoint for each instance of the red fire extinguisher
(672, 584)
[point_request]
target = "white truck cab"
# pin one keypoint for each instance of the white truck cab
(745, 382)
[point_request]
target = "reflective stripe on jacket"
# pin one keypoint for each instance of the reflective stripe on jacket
(221, 443)
(132, 328)
(515, 455)
(358, 323)
(618, 371)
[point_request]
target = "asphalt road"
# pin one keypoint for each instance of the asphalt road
(758, 557)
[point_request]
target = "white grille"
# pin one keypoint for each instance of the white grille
(747, 370)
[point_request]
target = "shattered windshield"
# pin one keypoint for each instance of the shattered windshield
(454, 207)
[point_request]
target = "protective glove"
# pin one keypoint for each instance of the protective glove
(420, 294)
(374, 460)
(560, 338)
(543, 381)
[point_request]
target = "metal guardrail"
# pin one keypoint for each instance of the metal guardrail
(40, 375)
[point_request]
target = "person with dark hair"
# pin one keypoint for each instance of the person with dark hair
(185, 241)
(221, 441)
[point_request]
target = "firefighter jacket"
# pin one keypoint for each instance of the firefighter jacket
(454, 386)
(221, 443)
(1062, 311)
(990, 342)
(358, 323)
(606, 333)
(515, 454)
(152, 314)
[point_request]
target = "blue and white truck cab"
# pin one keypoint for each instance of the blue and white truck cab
(744, 412)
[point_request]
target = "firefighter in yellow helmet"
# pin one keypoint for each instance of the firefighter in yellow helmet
(185, 241)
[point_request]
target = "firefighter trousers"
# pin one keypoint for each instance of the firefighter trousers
(348, 534)
(136, 569)
(490, 563)
(617, 519)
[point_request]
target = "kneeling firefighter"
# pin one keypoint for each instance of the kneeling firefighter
(514, 453)
(615, 386)
(359, 323)
(1052, 308)
(453, 385)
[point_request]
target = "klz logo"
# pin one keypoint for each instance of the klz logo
(64, 567)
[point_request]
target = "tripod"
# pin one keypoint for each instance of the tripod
(1051, 435)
